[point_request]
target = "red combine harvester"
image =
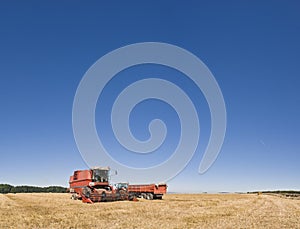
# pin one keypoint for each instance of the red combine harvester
(93, 186)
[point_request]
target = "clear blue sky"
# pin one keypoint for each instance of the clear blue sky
(251, 47)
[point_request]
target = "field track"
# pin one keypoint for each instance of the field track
(174, 211)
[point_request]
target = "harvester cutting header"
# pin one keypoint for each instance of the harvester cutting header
(93, 185)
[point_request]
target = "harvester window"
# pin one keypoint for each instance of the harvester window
(100, 175)
(75, 176)
(122, 186)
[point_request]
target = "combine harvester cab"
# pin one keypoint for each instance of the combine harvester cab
(93, 186)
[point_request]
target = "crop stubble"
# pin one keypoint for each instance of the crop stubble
(174, 211)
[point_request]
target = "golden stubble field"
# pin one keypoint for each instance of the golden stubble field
(174, 211)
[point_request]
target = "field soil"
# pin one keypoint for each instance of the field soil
(174, 211)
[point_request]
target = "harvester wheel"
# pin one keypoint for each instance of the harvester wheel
(86, 191)
(103, 196)
(131, 197)
(74, 197)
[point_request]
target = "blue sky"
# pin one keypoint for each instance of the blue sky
(251, 47)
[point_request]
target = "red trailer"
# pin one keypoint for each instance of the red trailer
(146, 191)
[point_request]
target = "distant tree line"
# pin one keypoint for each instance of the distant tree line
(6, 188)
(278, 192)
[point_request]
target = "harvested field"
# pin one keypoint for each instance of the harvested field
(175, 211)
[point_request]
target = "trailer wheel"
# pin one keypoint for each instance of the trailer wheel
(149, 196)
(144, 195)
(158, 197)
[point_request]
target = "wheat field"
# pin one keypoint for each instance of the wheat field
(174, 211)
